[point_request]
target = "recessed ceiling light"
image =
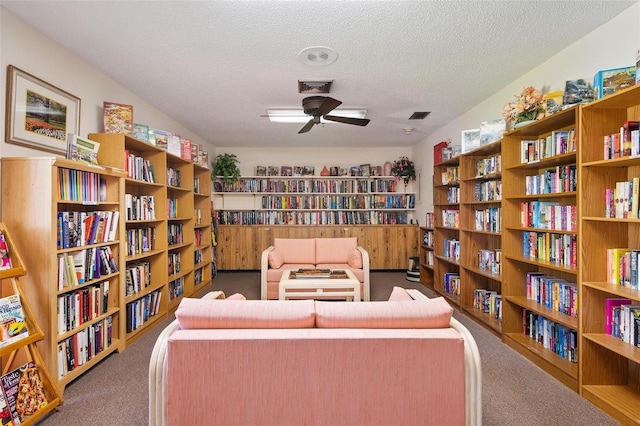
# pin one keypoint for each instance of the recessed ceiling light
(318, 56)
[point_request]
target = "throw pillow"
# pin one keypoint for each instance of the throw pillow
(355, 259)
(276, 259)
(236, 296)
(399, 294)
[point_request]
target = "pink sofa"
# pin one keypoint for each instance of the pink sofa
(306, 362)
(294, 253)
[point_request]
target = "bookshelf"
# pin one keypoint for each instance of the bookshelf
(610, 367)
(446, 206)
(481, 234)
(253, 211)
(66, 192)
(163, 230)
(426, 245)
(539, 243)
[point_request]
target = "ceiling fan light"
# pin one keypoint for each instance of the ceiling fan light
(298, 116)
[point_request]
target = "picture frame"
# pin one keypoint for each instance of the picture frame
(286, 171)
(118, 118)
(30, 105)
(470, 139)
(365, 170)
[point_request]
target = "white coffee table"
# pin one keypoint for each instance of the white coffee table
(314, 288)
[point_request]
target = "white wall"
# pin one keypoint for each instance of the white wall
(614, 44)
(24, 47)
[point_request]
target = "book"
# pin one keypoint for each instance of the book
(13, 326)
(607, 82)
(5, 259)
(185, 149)
(81, 149)
(173, 145)
(118, 118)
(161, 138)
(23, 392)
(311, 273)
(141, 131)
(610, 304)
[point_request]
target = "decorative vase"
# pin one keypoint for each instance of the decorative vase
(522, 124)
(387, 168)
(325, 171)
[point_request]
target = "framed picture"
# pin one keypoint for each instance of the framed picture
(118, 118)
(273, 171)
(286, 171)
(470, 139)
(39, 115)
(365, 170)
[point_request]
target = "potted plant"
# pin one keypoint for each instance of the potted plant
(403, 169)
(225, 167)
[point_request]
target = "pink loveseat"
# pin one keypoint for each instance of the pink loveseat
(306, 362)
(330, 253)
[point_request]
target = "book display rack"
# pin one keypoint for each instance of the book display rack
(540, 243)
(610, 366)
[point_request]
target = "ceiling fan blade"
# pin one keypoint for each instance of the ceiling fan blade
(348, 120)
(328, 105)
(307, 126)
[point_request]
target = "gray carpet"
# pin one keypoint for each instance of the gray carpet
(515, 391)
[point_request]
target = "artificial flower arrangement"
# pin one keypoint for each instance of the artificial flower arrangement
(403, 169)
(528, 105)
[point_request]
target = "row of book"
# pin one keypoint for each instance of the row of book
(137, 277)
(198, 276)
(555, 180)
(452, 283)
(77, 185)
(139, 207)
(625, 143)
(451, 249)
(83, 305)
(451, 218)
(489, 302)
(138, 168)
(561, 249)
(622, 201)
(428, 258)
(430, 221)
(337, 217)
(197, 237)
(140, 240)
(556, 337)
(79, 228)
(309, 186)
(84, 346)
(428, 238)
(489, 166)
(623, 320)
(490, 260)
(197, 217)
(554, 293)
(490, 190)
(175, 234)
(333, 202)
(77, 267)
(173, 177)
(173, 263)
(176, 288)
(488, 220)
(197, 256)
(453, 195)
(172, 208)
(557, 143)
(139, 311)
(622, 267)
(548, 215)
(451, 176)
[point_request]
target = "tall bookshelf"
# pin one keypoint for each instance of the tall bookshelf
(481, 234)
(44, 202)
(610, 367)
(446, 206)
(540, 244)
(163, 231)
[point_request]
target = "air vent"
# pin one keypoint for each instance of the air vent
(419, 115)
(314, 86)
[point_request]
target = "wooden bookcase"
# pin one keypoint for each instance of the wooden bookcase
(518, 236)
(426, 244)
(480, 234)
(610, 368)
(36, 193)
(446, 206)
(174, 230)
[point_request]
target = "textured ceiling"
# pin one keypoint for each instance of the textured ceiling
(216, 66)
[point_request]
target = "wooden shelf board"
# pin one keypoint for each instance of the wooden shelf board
(78, 371)
(486, 319)
(549, 265)
(540, 309)
(616, 290)
(621, 402)
(615, 345)
(483, 272)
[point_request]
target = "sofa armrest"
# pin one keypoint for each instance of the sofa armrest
(264, 267)
(473, 375)
(366, 296)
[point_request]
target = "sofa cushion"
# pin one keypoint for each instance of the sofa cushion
(276, 259)
(355, 259)
(205, 314)
(334, 250)
(236, 296)
(431, 313)
(399, 294)
(296, 250)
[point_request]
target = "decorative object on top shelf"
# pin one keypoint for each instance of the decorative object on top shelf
(528, 105)
(387, 168)
(403, 169)
(225, 166)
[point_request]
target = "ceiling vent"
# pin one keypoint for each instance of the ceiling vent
(419, 115)
(314, 86)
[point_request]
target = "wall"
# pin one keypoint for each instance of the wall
(614, 44)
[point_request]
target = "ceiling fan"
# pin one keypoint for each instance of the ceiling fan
(320, 106)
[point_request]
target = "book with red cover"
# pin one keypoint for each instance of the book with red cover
(609, 305)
